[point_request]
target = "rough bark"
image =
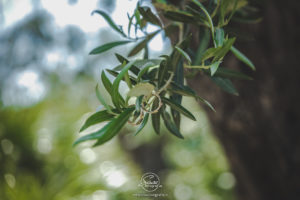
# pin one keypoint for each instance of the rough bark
(260, 129)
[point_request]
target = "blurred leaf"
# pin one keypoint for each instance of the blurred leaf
(170, 125)
(141, 89)
(178, 108)
(142, 44)
(138, 47)
(108, 86)
(129, 24)
(211, 25)
(109, 130)
(109, 21)
(225, 84)
(138, 103)
(209, 53)
(184, 54)
(187, 91)
(144, 70)
(143, 124)
(108, 46)
(162, 73)
(156, 117)
(122, 60)
(242, 57)
(149, 16)
(96, 118)
(180, 16)
(227, 73)
(115, 74)
(205, 39)
(223, 51)
(214, 67)
(116, 83)
(219, 38)
(100, 98)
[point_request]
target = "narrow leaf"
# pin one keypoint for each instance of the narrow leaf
(242, 57)
(142, 44)
(109, 21)
(223, 51)
(108, 86)
(178, 108)
(101, 99)
(209, 53)
(227, 73)
(108, 46)
(149, 16)
(138, 47)
(214, 67)
(138, 103)
(184, 54)
(96, 118)
(116, 83)
(180, 16)
(109, 130)
(143, 124)
(115, 74)
(170, 125)
(187, 91)
(156, 117)
(219, 38)
(225, 84)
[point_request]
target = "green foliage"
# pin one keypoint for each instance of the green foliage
(157, 85)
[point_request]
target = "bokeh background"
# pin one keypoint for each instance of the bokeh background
(47, 82)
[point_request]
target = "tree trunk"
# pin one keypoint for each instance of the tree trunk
(260, 129)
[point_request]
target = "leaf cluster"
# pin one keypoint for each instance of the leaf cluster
(157, 85)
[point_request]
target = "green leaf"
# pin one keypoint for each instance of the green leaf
(187, 91)
(227, 73)
(219, 38)
(122, 60)
(144, 70)
(108, 46)
(149, 16)
(138, 103)
(162, 73)
(207, 16)
(100, 98)
(115, 74)
(205, 39)
(141, 89)
(129, 23)
(242, 57)
(211, 52)
(109, 21)
(96, 118)
(180, 16)
(223, 51)
(184, 54)
(108, 86)
(138, 47)
(178, 108)
(141, 45)
(225, 84)
(156, 117)
(170, 125)
(143, 124)
(214, 67)
(116, 83)
(109, 130)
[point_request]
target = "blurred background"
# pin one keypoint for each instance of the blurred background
(47, 82)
